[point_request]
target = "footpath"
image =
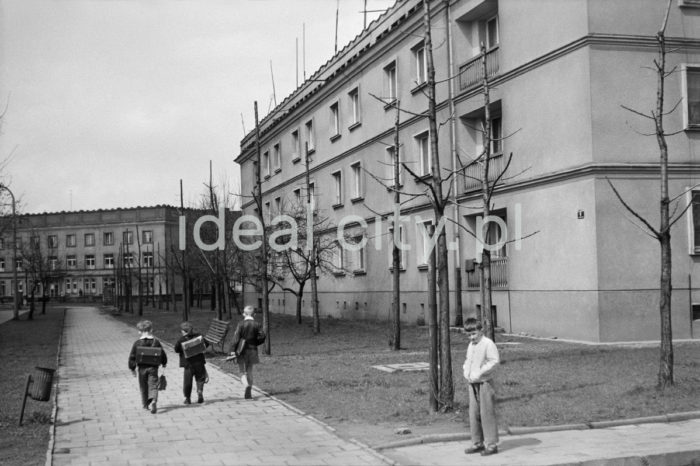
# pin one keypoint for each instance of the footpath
(99, 421)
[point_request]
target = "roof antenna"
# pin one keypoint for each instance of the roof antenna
(243, 123)
(337, 8)
(303, 48)
(274, 94)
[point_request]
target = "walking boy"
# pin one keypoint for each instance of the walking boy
(479, 366)
(147, 368)
(251, 332)
(193, 366)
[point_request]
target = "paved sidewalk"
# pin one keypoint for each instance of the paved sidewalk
(675, 443)
(99, 418)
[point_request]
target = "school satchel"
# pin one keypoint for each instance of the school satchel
(193, 347)
(260, 337)
(149, 355)
(162, 382)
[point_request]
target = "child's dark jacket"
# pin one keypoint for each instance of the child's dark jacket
(197, 360)
(146, 342)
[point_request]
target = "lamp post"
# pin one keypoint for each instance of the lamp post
(15, 313)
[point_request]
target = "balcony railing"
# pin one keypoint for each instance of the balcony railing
(499, 274)
(473, 174)
(472, 73)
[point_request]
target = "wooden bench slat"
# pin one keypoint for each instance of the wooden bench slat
(217, 332)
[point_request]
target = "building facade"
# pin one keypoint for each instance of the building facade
(569, 261)
(80, 253)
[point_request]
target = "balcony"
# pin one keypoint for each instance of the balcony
(471, 73)
(499, 274)
(473, 174)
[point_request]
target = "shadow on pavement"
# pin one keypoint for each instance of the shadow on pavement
(511, 444)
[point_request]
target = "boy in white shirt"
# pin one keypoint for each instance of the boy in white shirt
(479, 366)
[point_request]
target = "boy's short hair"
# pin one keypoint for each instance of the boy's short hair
(145, 326)
(186, 327)
(248, 310)
(472, 324)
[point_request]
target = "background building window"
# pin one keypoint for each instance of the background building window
(89, 239)
(128, 237)
(147, 236)
(310, 139)
(691, 96)
(70, 241)
(421, 65)
(357, 185)
(108, 261)
(337, 188)
(390, 84)
(354, 107)
(424, 155)
(335, 120)
(108, 238)
(90, 261)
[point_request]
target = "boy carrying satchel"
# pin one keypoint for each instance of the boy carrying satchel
(146, 355)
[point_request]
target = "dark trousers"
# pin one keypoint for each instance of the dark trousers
(196, 372)
(148, 384)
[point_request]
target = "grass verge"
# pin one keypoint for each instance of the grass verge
(24, 345)
(540, 382)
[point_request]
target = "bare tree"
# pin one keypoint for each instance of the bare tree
(667, 220)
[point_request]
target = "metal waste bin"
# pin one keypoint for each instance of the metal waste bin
(41, 383)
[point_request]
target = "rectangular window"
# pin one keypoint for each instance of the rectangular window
(71, 262)
(691, 94)
(266, 164)
(89, 239)
(128, 237)
(129, 259)
(335, 121)
(357, 185)
(390, 163)
(337, 189)
(52, 241)
(2, 264)
(310, 139)
(53, 263)
(108, 261)
(267, 213)
(422, 234)
(70, 241)
(338, 261)
(108, 238)
(491, 33)
(276, 157)
(297, 198)
(359, 256)
(147, 236)
(278, 205)
(90, 261)
(424, 155)
(296, 146)
(147, 259)
(419, 58)
(354, 107)
(35, 242)
(496, 136)
(390, 84)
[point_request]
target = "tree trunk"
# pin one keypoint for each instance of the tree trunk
(446, 384)
(433, 382)
(299, 295)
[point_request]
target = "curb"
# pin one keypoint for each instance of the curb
(513, 430)
(54, 411)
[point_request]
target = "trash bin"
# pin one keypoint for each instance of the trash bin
(41, 383)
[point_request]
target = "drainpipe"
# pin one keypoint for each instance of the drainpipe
(453, 153)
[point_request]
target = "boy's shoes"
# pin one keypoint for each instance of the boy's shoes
(474, 449)
(145, 406)
(188, 401)
(154, 408)
(200, 398)
(248, 395)
(489, 451)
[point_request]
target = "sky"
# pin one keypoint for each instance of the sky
(110, 103)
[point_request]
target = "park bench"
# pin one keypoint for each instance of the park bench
(217, 332)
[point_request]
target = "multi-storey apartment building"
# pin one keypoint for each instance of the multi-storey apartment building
(82, 250)
(560, 73)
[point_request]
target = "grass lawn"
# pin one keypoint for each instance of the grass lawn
(24, 345)
(330, 376)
